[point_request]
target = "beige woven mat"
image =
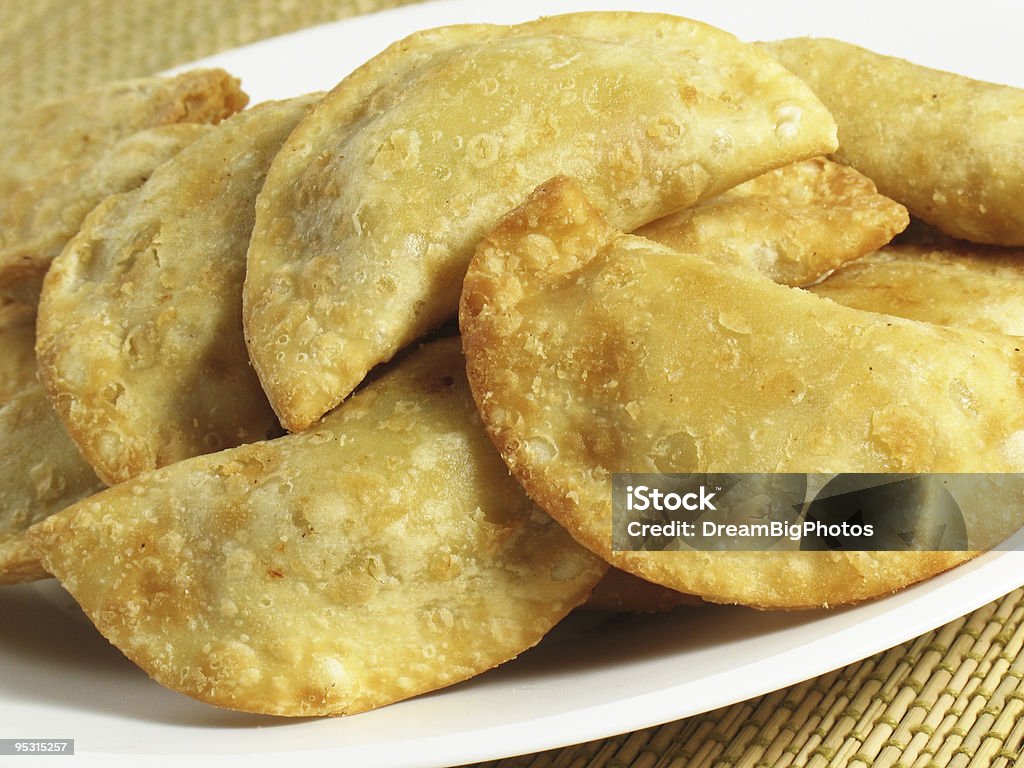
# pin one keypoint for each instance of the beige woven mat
(954, 697)
(52, 47)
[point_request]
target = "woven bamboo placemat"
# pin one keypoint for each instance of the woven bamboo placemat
(953, 697)
(52, 47)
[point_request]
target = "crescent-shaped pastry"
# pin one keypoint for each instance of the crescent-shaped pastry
(949, 148)
(592, 352)
(383, 553)
(140, 338)
(371, 211)
(61, 158)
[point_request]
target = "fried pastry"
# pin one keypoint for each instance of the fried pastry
(45, 138)
(40, 473)
(383, 553)
(978, 289)
(371, 211)
(37, 221)
(60, 158)
(793, 224)
(950, 148)
(140, 322)
(591, 352)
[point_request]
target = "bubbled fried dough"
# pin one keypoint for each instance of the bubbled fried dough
(948, 147)
(39, 218)
(140, 337)
(371, 211)
(591, 352)
(383, 553)
(793, 224)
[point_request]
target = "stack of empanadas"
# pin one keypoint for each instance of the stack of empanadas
(218, 283)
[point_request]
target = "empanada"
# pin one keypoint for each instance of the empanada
(39, 218)
(793, 224)
(949, 148)
(49, 157)
(140, 322)
(41, 473)
(978, 289)
(591, 352)
(383, 553)
(371, 211)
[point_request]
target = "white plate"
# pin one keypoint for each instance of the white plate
(594, 676)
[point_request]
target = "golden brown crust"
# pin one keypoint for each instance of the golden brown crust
(18, 563)
(140, 334)
(41, 473)
(793, 224)
(591, 352)
(61, 158)
(949, 148)
(40, 216)
(371, 211)
(383, 553)
(962, 286)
